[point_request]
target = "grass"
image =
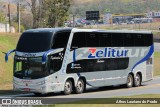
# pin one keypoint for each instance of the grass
(157, 64)
(157, 34)
(7, 42)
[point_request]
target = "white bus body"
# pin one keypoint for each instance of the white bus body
(77, 59)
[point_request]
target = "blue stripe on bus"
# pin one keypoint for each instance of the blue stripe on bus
(8, 53)
(145, 58)
(79, 75)
(44, 57)
(74, 55)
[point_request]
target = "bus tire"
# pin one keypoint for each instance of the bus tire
(80, 86)
(68, 87)
(137, 80)
(129, 81)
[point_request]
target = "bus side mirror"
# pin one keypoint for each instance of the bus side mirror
(8, 53)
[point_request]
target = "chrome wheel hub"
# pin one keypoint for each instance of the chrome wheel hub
(80, 86)
(68, 87)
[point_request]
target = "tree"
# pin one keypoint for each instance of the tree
(26, 19)
(48, 13)
(36, 7)
(2, 18)
(57, 12)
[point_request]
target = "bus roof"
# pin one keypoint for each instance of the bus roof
(88, 30)
(112, 31)
(49, 29)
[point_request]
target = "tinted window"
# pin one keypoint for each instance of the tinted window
(78, 66)
(95, 65)
(139, 40)
(34, 42)
(111, 40)
(60, 40)
(29, 68)
(111, 64)
(92, 39)
(56, 61)
(117, 63)
(78, 40)
(122, 63)
(129, 40)
(148, 40)
(105, 39)
(117, 39)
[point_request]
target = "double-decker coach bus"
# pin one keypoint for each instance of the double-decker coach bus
(72, 60)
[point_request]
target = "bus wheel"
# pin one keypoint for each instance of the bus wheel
(80, 86)
(68, 87)
(137, 80)
(129, 81)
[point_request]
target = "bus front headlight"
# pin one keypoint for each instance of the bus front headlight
(41, 83)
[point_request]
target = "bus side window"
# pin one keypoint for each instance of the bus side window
(117, 39)
(55, 64)
(105, 39)
(122, 63)
(148, 40)
(78, 40)
(139, 40)
(77, 67)
(111, 64)
(92, 39)
(117, 63)
(60, 40)
(129, 40)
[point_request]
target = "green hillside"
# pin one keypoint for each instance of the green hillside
(79, 7)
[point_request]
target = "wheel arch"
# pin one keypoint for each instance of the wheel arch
(131, 74)
(140, 73)
(72, 80)
(84, 80)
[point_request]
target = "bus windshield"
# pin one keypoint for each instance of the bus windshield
(30, 68)
(34, 42)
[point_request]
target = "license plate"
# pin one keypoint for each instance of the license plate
(26, 89)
